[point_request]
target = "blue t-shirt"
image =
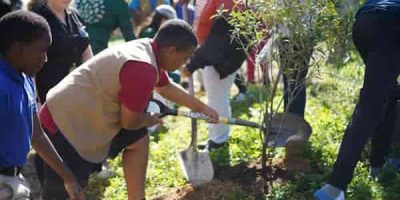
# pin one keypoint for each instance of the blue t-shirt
(135, 4)
(17, 106)
(371, 5)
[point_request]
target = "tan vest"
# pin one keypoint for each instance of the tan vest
(85, 105)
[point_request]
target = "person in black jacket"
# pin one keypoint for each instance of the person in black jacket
(226, 57)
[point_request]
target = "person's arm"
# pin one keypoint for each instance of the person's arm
(176, 94)
(212, 50)
(137, 81)
(137, 14)
(125, 23)
(87, 54)
(134, 120)
(43, 146)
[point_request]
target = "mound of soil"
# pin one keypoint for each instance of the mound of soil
(227, 180)
(247, 176)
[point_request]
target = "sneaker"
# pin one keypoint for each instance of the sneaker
(239, 97)
(329, 192)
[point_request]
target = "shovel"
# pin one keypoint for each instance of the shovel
(284, 126)
(158, 107)
(196, 165)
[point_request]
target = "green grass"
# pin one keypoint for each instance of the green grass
(331, 100)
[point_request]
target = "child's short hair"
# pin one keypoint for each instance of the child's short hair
(176, 33)
(22, 26)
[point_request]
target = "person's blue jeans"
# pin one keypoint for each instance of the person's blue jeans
(376, 35)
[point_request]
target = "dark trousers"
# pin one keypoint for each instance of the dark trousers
(294, 59)
(53, 185)
(376, 35)
(239, 82)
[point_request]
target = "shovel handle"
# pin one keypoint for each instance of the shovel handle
(193, 143)
(239, 122)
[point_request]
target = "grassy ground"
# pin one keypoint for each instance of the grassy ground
(332, 95)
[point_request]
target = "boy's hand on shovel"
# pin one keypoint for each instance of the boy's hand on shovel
(210, 113)
(153, 119)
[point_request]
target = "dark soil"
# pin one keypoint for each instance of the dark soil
(246, 176)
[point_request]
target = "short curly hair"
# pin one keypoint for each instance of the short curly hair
(21, 26)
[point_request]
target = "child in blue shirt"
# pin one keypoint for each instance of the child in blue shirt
(24, 39)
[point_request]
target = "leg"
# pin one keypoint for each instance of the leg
(217, 91)
(135, 147)
(53, 185)
(296, 68)
(99, 36)
(135, 158)
(295, 92)
(379, 50)
(369, 111)
(381, 139)
(239, 82)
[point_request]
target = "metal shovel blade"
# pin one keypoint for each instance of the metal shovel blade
(285, 126)
(196, 165)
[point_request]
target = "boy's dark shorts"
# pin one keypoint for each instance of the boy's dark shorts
(125, 138)
(53, 185)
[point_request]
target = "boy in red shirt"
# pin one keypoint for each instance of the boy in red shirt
(98, 110)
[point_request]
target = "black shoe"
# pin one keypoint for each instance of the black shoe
(211, 146)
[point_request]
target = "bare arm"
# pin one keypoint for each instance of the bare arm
(43, 146)
(133, 121)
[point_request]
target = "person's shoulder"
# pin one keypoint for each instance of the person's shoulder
(140, 70)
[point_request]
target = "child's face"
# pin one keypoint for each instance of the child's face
(33, 54)
(175, 59)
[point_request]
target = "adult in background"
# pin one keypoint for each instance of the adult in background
(102, 18)
(24, 39)
(185, 10)
(142, 9)
(161, 15)
(70, 46)
(376, 36)
(220, 58)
